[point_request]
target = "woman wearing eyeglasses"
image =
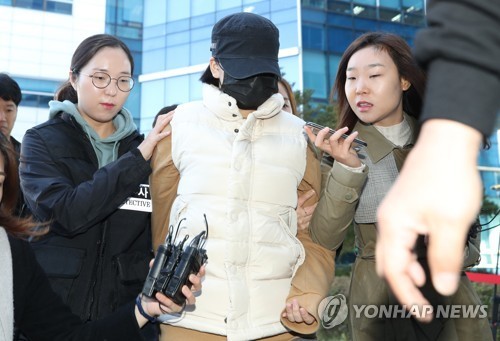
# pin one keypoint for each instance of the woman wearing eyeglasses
(86, 171)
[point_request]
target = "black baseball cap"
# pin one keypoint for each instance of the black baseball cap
(245, 45)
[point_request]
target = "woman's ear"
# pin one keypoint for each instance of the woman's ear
(405, 84)
(215, 68)
(72, 79)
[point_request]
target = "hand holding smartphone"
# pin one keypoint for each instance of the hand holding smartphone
(316, 128)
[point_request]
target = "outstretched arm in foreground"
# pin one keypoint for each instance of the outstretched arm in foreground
(438, 194)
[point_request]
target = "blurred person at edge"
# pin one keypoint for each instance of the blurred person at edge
(10, 98)
(29, 305)
(379, 89)
(439, 192)
(86, 171)
(238, 158)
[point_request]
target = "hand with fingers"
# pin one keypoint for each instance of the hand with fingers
(148, 308)
(342, 150)
(297, 314)
(412, 207)
(305, 213)
(158, 133)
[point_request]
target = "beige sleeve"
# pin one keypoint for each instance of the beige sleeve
(163, 181)
(314, 277)
(337, 205)
(312, 176)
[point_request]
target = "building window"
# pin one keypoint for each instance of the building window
(339, 39)
(130, 13)
(414, 6)
(395, 4)
(55, 6)
(314, 3)
(361, 10)
(63, 7)
(177, 10)
(366, 2)
(124, 18)
(36, 100)
(314, 73)
(177, 90)
(387, 14)
(290, 71)
(226, 4)
(313, 37)
(31, 4)
(417, 20)
(200, 7)
(333, 67)
(339, 7)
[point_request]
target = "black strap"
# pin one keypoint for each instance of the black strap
(150, 318)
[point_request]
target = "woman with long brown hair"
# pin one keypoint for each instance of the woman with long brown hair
(379, 89)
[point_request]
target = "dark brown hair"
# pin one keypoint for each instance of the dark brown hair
(291, 95)
(208, 78)
(16, 226)
(163, 111)
(9, 89)
(400, 53)
(83, 54)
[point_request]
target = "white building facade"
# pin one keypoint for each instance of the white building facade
(36, 47)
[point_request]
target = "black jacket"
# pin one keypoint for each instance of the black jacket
(41, 315)
(461, 50)
(21, 209)
(96, 255)
(16, 144)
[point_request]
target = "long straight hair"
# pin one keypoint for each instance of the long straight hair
(16, 226)
(400, 53)
(208, 78)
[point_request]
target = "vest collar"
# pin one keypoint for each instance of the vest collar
(224, 106)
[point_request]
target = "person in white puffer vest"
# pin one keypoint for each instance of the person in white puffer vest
(237, 158)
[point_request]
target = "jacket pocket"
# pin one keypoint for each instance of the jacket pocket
(133, 267)
(63, 266)
(131, 271)
(288, 222)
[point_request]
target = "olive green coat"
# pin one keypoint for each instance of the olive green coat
(335, 214)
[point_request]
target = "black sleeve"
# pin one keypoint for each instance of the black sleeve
(460, 49)
(41, 315)
(51, 193)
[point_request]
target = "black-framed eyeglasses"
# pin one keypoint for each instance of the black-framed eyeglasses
(102, 79)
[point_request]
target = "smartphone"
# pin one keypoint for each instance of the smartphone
(316, 128)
